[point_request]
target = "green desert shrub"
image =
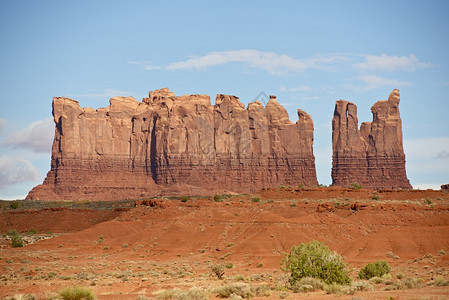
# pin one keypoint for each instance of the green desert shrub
(14, 205)
(377, 269)
(16, 241)
(256, 199)
(355, 186)
(77, 293)
(316, 260)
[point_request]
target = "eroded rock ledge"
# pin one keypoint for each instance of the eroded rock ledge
(175, 145)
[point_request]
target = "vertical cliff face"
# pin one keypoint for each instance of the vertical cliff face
(175, 145)
(374, 155)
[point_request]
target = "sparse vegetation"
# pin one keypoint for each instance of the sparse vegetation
(218, 270)
(301, 186)
(308, 284)
(77, 293)
(21, 297)
(427, 201)
(355, 186)
(184, 198)
(377, 269)
(14, 205)
(192, 294)
(256, 199)
(316, 260)
(16, 240)
(240, 289)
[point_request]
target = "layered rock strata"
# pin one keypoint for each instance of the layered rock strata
(175, 145)
(374, 155)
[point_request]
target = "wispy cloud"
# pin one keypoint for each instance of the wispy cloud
(106, 93)
(443, 154)
(37, 137)
(14, 171)
(302, 88)
(373, 82)
(391, 63)
(272, 62)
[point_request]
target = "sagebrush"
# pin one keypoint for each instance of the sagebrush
(377, 269)
(316, 260)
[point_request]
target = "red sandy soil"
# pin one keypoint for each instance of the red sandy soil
(172, 244)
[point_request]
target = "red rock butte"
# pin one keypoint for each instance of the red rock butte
(374, 155)
(168, 145)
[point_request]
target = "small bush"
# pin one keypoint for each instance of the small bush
(32, 231)
(377, 269)
(14, 205)
(355, 186)
(229, 266)
(315, 284)
(440, 281)
(184, 199)
(256, 199)
(16, 241)
(218, 270)
(316, 260)
(412, 282)
(301, 186)
(363, 286)
(12, 232)
(77, 293)
(262, 290)
(333, 288)
(375, 197)
(217, 198)
(427, 201)
(240, 289)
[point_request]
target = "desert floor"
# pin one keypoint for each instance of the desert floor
(125, 251)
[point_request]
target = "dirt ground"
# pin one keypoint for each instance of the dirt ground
(132, 252)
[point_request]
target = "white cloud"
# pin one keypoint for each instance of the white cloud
(14, 197)
(426, 161)
(374, 82)
(426, 186)
(14, 171)
(391, 63)
(106, 93)
(37, 137)
(302, 88)
(272, 62)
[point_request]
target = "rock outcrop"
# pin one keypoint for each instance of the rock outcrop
(175, 145)
(374, 155)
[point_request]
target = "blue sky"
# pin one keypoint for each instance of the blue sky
(307, 53)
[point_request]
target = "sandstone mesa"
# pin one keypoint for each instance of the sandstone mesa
(168, 145)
